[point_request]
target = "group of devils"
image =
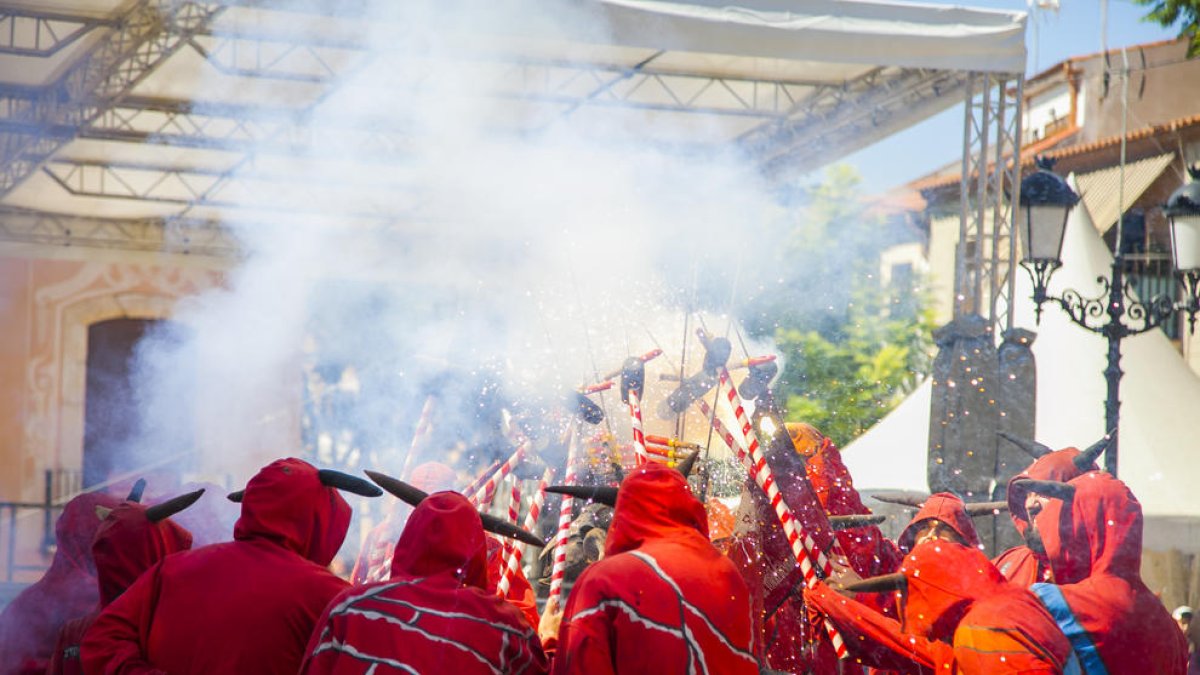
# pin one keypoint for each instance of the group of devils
(127, 592)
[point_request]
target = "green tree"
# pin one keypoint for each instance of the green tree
(852, 349)
(1183, 13)
(846, 382)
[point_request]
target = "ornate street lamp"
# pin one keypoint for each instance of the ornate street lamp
(1046, 200)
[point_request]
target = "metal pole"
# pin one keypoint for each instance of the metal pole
(1114, 331)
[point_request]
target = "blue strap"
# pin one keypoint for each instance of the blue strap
(1081, 641)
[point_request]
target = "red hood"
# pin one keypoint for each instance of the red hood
(944, 579)
(75, 530)
(128, 544)
(443, 537)
(654, 502)
(1098, 532)
(1058, 465)
(944, 507)
(286, 503)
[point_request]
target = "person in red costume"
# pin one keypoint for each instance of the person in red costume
(30, 624)
(1027, 565)
(1091, 530)
(942, 516)
(662, 600)
(435, 614)
(374, 562)
(960, 615)
(788, 638)
(867, 551)
(520, 591)
(246, 606)
(131, 539)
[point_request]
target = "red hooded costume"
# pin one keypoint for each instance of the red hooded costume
(960, 616)
(435, 614)
(30, 624)
(126, 545)
(520, 591)
(1020, 564)
(662, 600)
(867, 550)
(946, 508)
(1094, 543)
(246, 606)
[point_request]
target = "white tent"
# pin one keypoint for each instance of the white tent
(1159, 393)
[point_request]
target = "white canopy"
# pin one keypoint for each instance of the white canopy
(214, 124)
(1159, 395)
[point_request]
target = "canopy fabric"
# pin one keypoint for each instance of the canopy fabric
(208, 127)
(1159, 396)
(1101, 190)
(835, 31)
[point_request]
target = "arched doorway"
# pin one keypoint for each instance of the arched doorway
(120, 422)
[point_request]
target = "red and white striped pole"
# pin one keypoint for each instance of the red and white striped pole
(639, 438)
(803, 549)
(424, 424)
(484, 494)
(564, 524)
(514, 514)
(513, 562)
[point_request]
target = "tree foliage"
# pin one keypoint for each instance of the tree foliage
(851, 348)
(1182, 13)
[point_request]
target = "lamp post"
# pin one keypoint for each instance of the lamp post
(1046, 201)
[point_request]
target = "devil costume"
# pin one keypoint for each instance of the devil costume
(130, 540)
(30, 624)
(662, 600)
(1092, 533)
(1021, 564)
(246, 606)
(435, 614)
(960, 616)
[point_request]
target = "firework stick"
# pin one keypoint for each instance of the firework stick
(424, 424)
(484, 494)
(478, 482)
(564, 524)
(761, 473)
(513, 562)
(635, 418)
(508, 545)
(671, 442)
(802, 543)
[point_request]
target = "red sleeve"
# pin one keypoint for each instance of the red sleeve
(583, 638)
(877, 640)
(318, 664)
(113, 645)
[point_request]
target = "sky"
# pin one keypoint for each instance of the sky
(1074, 30)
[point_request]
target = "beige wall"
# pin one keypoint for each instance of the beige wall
(46, 306)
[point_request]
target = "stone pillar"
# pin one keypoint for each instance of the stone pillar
(964, 415)
(1018, 416)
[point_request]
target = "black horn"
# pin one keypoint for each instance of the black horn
(599, 494)
(985, 508)
(344, 481)
(135, 494)
(1032, 448)
(414, 496)
(839, 523)
(901, 498)
(236, 496)
(1047, 488)
(885, 583)
(1088, 457)
(172, 506)
(685, 465)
